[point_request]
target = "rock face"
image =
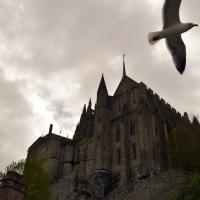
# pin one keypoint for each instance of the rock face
(76, 187)
(164, 186)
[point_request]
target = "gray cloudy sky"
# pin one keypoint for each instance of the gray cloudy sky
(52, 54)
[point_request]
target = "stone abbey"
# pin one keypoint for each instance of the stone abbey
(124, 135)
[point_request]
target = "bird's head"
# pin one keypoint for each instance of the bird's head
(191, 25)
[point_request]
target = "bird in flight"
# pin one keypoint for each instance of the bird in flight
(172, 30)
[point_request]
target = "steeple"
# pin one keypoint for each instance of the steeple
(102, 87)
(102, 94)
(83, 115)
(89, 110)
(84, 110)
(89, 105)
(124, 66)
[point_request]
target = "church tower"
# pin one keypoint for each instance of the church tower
(103, 116)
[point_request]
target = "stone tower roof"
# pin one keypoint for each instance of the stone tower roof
(102, 87)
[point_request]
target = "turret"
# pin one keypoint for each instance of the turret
(89, 110)
(103, 116)
(83, 115)
(102, 94)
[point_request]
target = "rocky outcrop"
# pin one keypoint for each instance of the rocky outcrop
(164, 186)
(99, 186)
(76, 187)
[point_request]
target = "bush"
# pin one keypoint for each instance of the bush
(184, 149)
(36, 181)
(192, 192)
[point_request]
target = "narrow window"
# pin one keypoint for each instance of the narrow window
(132, 126)
(134, 151)
(118, 156)
(118, 132)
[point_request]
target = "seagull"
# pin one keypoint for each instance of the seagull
(172, 30)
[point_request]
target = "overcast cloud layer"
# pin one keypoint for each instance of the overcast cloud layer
(52, 54)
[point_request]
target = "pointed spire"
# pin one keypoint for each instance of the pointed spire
(84, 110)
(102, 86)
(124, 66)
(89, 110)
(89, 104)
(83, 115)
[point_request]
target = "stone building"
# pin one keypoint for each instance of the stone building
(125, 134)
(12, 187)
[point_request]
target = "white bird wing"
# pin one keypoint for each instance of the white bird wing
(171, 12)
(177, 49)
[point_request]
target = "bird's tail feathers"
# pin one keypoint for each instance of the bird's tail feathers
(153, 37)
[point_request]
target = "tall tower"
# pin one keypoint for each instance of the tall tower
(103, 116)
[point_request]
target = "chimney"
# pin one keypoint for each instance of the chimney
(50, 128)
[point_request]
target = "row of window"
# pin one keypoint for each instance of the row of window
(119, 128)
(133, 152)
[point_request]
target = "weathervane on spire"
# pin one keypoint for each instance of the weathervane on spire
(124, 66)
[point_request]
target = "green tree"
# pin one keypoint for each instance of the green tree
(192, 191)
(36, 181)
(14, 166)
(184, 149)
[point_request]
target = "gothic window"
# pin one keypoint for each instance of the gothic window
(118, 156)
(118, 132)
(133, 96)
(134, 151)
(132, 126)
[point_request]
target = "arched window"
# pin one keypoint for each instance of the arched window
(133, 96)
(118, 156)
(134, 151)
(118, 131)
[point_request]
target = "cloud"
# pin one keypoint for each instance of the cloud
(52, 54)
